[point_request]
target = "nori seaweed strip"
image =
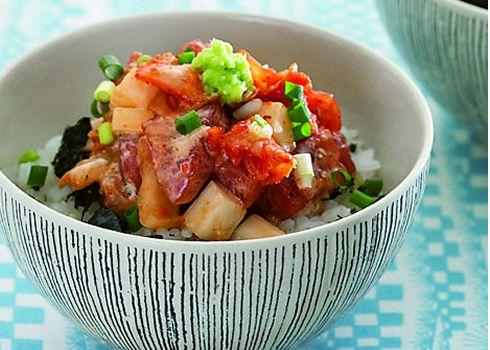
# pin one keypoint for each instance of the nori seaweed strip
(70, 152)
(105, 218)
(86, 196)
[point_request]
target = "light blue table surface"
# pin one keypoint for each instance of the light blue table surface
(434, 296)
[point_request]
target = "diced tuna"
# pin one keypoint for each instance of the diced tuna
(285, 200)
(239, 182)
(128, 160)
(182, 163)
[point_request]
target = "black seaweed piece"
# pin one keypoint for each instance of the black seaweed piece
(86, 196)
(70, 152)
(353, 147)
(335, 193)
(156, 237)
(105, 218)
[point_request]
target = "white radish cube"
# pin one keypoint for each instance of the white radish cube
(256, 227)
(132, 92)
(215, 214)
(129, 120)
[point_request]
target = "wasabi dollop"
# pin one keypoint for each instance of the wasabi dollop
(224, 72)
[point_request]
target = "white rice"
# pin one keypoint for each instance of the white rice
(58, 199)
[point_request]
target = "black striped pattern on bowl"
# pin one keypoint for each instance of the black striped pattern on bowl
(273, 296)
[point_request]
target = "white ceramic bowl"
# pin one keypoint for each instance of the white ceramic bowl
(135, 293)
(445, 43)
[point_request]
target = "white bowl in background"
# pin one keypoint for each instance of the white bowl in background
(445, 43)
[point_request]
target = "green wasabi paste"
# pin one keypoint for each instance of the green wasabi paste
(224, 72)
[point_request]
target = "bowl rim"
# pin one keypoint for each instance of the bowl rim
(213, 246)
(469, 9)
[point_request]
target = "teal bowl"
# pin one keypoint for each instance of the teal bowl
(445, 43)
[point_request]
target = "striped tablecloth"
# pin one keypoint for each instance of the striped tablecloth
(434, 296)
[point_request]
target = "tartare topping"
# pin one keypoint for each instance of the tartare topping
(224, 72)
(198, 140)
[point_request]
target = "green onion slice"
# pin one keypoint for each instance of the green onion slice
(293, 91)
(260, 121)
(260, 128)
(188, 122)
(132, 217)
(304, 170)
(361, 199)
(372, 187)
(107, 61)
(99, 109)
(37, 176)
(297, 112)
(29, 156)
(114, 72)
(304, 164)
(344, 175)
(301, 131)
(105, 133)
(143, 58)
(103, 92)
(111, 67)
(186, 57)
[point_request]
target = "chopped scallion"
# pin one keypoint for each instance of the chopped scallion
(304, 170)
(297, 112)
(372, 187)
(114, 72)
(186, 57)
(304, 164)
(133, 218)
(188, 122)
(361, 199)
(301, 131)
(105, 133)
(260, 121)
(103, 92)
(143, 58)
(346, 179)
(293, 91)
(37, 176)
(260, 128)
(29, 156)
(111, 67)
(99, 109)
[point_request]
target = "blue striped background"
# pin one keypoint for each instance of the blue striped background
(433, 297)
